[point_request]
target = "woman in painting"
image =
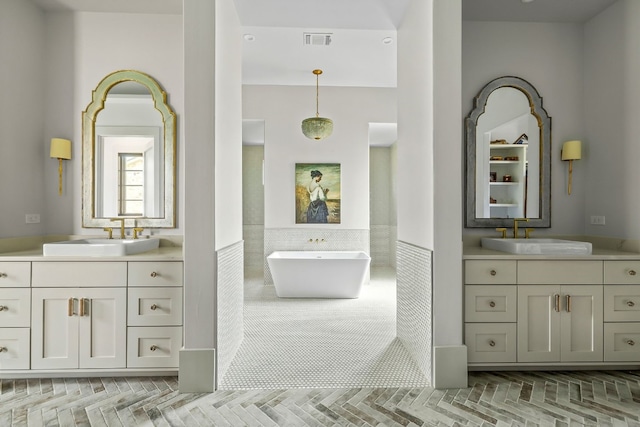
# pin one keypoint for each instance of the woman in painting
(317, 211)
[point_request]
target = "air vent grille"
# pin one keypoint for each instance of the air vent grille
(317, 39)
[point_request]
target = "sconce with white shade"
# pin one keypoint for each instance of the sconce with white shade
(571, 150)
(61, 150)
(317, 127)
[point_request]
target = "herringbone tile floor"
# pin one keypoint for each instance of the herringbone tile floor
(599, 398)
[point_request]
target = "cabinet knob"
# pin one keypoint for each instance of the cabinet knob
(3, 275)
(492, 304)
(153, 348)
(632, 272)
(492, 343)
(631, 303)
(493, 272)
(154, 307)
(154, 274)
(631, 342)
(3, 349)
(3, 308)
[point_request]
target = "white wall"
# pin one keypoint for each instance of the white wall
(60, 121)
(550, 57)
(612, 113)
(228, 127)
(351, 109)
(23, 147)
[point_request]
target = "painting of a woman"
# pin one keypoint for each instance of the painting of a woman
(317, 212)
(315, 203)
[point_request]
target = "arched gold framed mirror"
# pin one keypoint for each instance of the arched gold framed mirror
(128, 153)
(508, 156)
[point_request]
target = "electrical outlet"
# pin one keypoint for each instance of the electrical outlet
(32, 218)
(597, 219)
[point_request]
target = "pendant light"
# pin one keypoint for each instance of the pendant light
(317, 127)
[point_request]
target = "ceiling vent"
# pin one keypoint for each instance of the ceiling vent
(317, 39)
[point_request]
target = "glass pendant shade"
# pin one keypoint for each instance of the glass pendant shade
(317, 127)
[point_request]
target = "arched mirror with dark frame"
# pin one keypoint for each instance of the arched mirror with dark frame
(508, 156)
(128, 153)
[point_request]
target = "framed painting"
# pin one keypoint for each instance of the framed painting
(317, 193)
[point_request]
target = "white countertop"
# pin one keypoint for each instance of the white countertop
(477, 252)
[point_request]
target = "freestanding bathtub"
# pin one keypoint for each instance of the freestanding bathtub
(318, 274)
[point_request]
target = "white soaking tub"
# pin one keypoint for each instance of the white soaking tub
(318, 274)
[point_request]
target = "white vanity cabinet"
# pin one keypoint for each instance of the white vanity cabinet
(549, 312)
(79, 328)
(78, 315)
(98, 317)
(15, 314)
(490, 311)
(154, 314)
(560, 323)
(622, 311)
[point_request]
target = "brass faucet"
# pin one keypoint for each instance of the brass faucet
(515, 225)
(110, 231)
(136, 232)
(122, 235)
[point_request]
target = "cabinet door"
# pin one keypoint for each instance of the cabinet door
(102, 327)
(54, 329)
(581, 325)
(538, 323)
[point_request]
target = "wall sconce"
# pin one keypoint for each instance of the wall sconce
(61, 150)
(571, 150)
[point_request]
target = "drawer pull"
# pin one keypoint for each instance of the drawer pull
(83, 307)
(154, 307)
(631, 303)
(154, 274)
(492, 343)
(568, 303)
(3, 349)
(71, 307)
(632, 272)
(2, 275)
(492, 304)
(3, 308)
(153, 348)
(493, 272)
(631, 342)
(557, 300)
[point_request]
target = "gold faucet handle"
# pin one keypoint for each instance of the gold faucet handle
(503, 231)
(137, 230)
(527, 232)
(110, 231)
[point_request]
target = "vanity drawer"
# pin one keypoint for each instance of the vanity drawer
(622, 303)
(153, 347)
(155, 307)
(15, 274)
(79, 274)
(486, 303)
(482, 272)
(622, 272)
(15, 348)
(491, 342)
(155, 273)
(560, 272)
(622, 342)
(15, 307)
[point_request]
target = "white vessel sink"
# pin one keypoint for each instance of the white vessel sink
(99, 247)
(537, 246)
